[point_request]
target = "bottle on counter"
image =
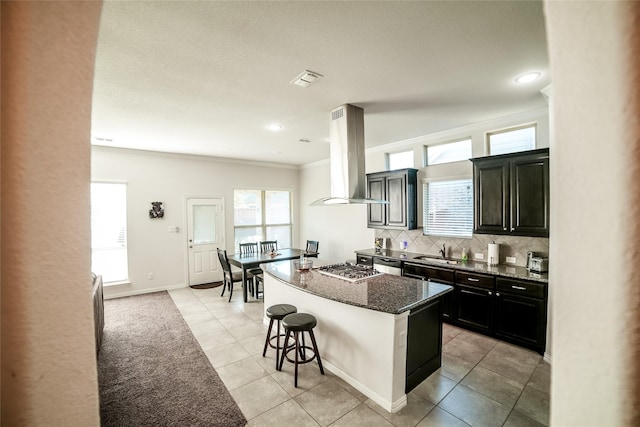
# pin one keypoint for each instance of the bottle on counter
(464, 254)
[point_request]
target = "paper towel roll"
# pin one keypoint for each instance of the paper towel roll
(494, 254)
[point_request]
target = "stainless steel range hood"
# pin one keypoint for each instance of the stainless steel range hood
(348, 181)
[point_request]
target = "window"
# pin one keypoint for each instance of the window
(512, 140)
(262, 215)
(449, 152)
(109, 231)
(448, 208)
(400, 160)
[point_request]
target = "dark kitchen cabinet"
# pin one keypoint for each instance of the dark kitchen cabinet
(399, 188)
(521, 313)
(511, 193)
(440, 275)
(474, 301)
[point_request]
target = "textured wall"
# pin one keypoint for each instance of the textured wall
(49, 372)
(595, 147)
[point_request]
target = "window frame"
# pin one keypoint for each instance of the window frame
(487, 137)
(388, 159)
(263, 226)
(453, 141)
(469, 218)
(125, 246)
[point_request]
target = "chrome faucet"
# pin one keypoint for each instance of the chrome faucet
(443, 251)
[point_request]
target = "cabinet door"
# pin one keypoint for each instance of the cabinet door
(474, 307)
(491, 194)
(376, 190)
(529, 179)
(397, 198)
(521, 320)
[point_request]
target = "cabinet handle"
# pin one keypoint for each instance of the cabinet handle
(497, 294)
(505, 229)
(471, 279)
(513, 229)
(520, 288)
(489, 293)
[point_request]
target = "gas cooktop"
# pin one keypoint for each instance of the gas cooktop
(349, 272)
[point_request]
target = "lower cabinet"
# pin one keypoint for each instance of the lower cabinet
(509, 309)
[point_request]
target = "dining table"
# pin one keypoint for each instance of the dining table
(250, 261)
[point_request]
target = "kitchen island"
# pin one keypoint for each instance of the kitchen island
(382, 335)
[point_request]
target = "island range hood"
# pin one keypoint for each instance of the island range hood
(348, 181)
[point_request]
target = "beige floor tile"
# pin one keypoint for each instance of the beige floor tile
(309, 376)
(481, 341)
(415, 410)
(240, 373)
(247, 330)
(454, 368)
(362, 416)
(288, 413)
(441, 418)
(474, 408)
(196, 318)
(225, 355)
(517, 419)
(191, 309)
(254, 345)
(465, 350)
(534, 404)
(206, 328)
(434, 388)
(495, 386)
(327, 402)
(236, 320)
(512, 362)
(345, 385)
(258, 397)
(268, 362)
(215, 339)
(541, 377)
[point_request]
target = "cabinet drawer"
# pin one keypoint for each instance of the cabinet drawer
(432, 273)
(364, 260)
(518, 287)
(479, 280)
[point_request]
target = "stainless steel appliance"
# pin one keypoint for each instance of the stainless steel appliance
(539, 264)
(389, 266)
(349, 272)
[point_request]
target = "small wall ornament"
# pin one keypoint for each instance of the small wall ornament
(156, 211)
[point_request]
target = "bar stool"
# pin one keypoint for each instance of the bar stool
(299, 323)
(277, 312)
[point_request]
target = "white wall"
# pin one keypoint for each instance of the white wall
(169, 178)
(595, 212)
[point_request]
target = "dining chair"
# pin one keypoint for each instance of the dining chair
(312, 248)
(251, 249)
(269, 245)
(230, 277)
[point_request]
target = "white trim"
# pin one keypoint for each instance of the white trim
(426, 180)
(144, 291)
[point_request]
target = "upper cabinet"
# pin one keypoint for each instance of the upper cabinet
(511, 194)
(399, 188)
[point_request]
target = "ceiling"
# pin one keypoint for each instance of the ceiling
(208, 77)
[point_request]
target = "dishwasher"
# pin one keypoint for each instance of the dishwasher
(387, 265)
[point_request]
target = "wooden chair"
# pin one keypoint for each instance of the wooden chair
(269, 245)
(230, 277)
(312, 248)
(250, 249)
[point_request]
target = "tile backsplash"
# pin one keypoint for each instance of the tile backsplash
(510, 246)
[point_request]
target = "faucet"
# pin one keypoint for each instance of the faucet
(443, 251)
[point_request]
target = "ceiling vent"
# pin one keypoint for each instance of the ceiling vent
(306, 78)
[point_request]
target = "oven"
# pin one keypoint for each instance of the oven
(387, 265)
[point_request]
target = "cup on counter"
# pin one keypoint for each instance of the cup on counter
(405, 245)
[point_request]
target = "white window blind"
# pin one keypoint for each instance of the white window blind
(262, 215)
(109, 231)
(512, 140)
(448, 208)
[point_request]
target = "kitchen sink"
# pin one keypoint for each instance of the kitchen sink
(438, 259)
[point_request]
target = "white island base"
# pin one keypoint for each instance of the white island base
(366, 348)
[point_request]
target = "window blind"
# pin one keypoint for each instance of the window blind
(109, 231)
(512, 141)
(448, 208)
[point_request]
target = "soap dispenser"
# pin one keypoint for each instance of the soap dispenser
(464, 254)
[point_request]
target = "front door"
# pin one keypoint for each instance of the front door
(205, 233)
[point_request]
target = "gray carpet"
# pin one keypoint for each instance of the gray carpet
(152, 371)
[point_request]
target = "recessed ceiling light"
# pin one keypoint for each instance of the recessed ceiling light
(275, 127)
(528, 77)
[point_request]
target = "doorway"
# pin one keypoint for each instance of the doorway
(205, 233)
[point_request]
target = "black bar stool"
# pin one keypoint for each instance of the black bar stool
(277, 312)
(299, 323)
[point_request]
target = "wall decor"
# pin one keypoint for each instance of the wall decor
(156, 211)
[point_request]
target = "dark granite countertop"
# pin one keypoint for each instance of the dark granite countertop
(502, 270)
(386, 293)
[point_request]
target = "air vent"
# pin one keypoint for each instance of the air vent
(336, 114)
(306, 78)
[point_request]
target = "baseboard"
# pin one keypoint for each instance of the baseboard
(547, 357)
(387, 405)
(132, 292)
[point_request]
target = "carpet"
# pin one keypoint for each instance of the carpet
(152, 371)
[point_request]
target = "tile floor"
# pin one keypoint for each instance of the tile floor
(482, 382)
